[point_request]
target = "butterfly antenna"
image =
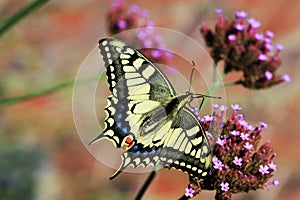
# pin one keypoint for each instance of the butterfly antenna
(191, 76)
(205, 96)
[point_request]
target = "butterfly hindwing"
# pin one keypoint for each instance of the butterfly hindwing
(190, 142)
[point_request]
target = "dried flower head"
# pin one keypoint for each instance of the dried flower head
(242, 48)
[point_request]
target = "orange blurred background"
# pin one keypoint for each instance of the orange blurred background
(41, 154)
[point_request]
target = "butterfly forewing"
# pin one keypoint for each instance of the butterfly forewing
(137, 86)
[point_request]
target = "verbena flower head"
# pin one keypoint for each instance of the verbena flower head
(240, 163)
(121, 18)
(242, 48)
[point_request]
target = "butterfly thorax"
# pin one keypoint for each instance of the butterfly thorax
(153, 120)
(177, 102)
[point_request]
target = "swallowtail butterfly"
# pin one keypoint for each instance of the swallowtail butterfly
(145, 116)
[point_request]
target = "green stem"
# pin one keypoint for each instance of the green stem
(17, 99)
(214, 86)
(26, 10)
(13, 100)
(214, 73)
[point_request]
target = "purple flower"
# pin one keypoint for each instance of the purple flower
(241, 116)
(219, 11)
(223, 108)
(193, 108)
(221, 142)
(279, 47)
(286, 78)
(270, 34)
(147, 43)
(134, 8)
(263, 125)
(268, 75)
(244, 136)
(272, 166)
(217, 164)
(208, 118)
(156, 53)
(141, 34)
(236, 107)
(259, 36)
(189, 192)
(269, 47)
(268, 40)
(243, 123)
(250, 128)
(235, 133)
(248, 146)
(216, 106)
(275, 182)
(122, 24)
(224, 186)
(215, 160)
(254, 23)
(241, 14)
(231, 37)
(239, 27)
(263, 169)
(263, 57)
(237, 161)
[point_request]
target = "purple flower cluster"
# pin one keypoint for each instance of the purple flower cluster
(121, 18)
(243, 48)
(239, 164)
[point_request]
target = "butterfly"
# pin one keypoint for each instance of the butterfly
(147, 118)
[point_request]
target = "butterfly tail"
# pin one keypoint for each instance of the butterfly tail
(98, 138)
(125, 163)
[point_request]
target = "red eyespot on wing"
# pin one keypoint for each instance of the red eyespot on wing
(129, 142)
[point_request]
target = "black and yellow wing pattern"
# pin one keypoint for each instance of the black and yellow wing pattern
(146, 117)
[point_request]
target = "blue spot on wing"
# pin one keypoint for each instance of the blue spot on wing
(135, 148)
(124, 130)
(119, 124)
(122, 107)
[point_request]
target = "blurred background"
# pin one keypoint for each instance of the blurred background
(41, 155)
